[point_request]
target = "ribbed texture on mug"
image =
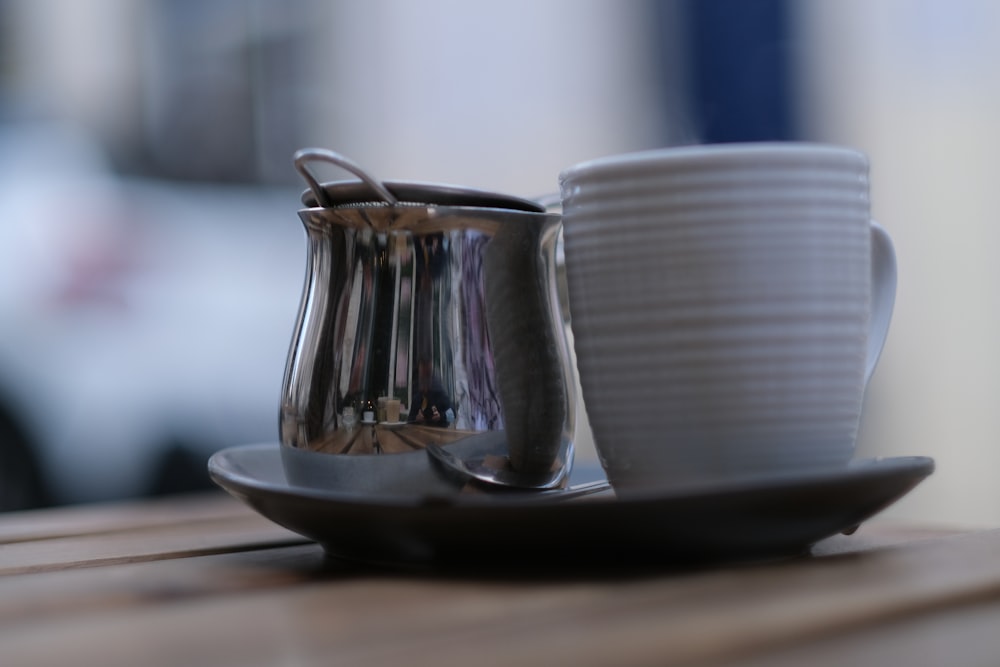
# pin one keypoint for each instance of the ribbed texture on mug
(720, 318)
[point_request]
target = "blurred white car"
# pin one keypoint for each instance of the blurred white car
(143, 325)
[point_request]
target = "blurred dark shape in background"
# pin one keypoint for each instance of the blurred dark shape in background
(21, 483)
(221, 85)
(739, 75)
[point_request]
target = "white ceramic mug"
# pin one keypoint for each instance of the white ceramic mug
(729, 303)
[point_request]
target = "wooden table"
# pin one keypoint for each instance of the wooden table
(205, 581)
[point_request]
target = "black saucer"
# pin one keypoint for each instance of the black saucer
(753, 519)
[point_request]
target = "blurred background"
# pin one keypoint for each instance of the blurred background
(151, 258)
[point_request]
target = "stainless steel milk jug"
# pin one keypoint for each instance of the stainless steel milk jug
(429, 317)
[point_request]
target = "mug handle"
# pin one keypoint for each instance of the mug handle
(883, 294)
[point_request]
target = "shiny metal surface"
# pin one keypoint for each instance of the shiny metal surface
(426, 324)
(482, 458)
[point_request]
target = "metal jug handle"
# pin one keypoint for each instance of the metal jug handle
(304, 156)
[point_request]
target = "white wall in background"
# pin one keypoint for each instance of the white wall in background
(917, 86)
(498, 95)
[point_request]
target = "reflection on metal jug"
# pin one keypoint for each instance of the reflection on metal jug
(430, 316)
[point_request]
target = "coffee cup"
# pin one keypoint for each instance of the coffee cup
(391, 407)
(729, 303)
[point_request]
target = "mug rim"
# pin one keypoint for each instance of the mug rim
(695, 155)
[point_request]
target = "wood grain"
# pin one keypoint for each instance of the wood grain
(117, 517)
(123, 534)
(138, 585)
(170, 595)
(966, 635)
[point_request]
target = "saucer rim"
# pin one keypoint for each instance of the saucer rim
(226, 476)
(738, 523)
